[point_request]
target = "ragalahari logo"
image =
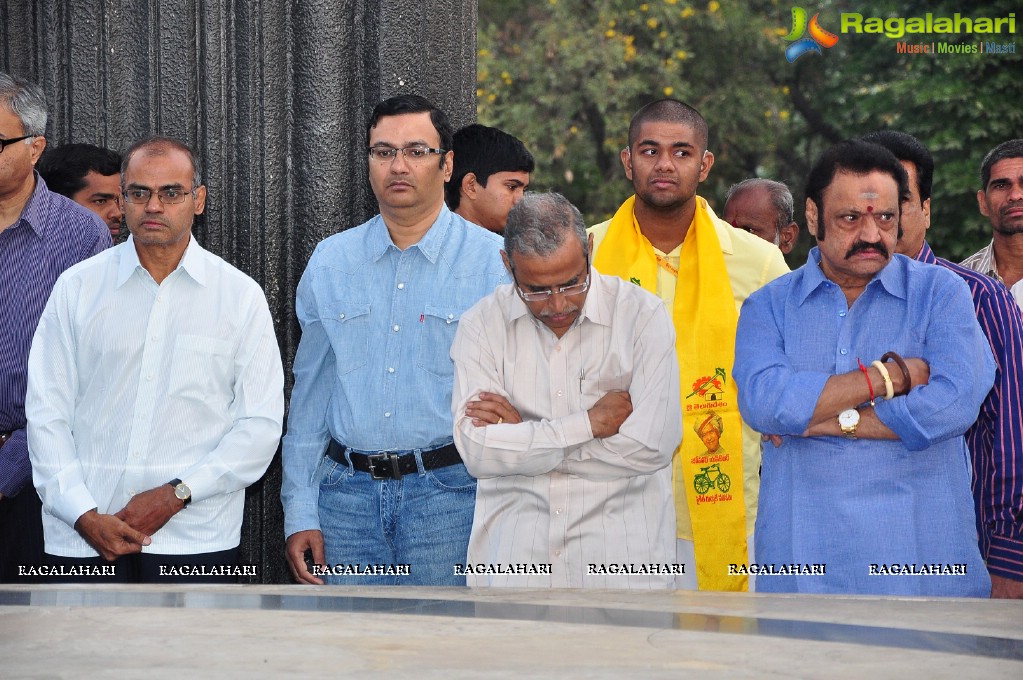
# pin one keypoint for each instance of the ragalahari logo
(817, 39)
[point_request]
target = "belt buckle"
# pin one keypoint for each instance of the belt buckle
(388, 466)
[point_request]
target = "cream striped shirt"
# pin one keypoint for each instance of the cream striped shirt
(549, 493)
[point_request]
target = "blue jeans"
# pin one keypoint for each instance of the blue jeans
(421, 520)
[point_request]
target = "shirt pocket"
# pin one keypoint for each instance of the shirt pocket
(436, 333)
(348, 327)
(201, 369)
(592, 389)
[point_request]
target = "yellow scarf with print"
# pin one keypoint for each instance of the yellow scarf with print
(709, 482)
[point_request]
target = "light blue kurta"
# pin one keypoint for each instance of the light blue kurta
(851, 504)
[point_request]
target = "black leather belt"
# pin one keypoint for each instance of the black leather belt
(391, 465)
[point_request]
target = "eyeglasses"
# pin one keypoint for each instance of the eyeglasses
(413, 154)
(166, 196)
(5, 142)
(544, 295)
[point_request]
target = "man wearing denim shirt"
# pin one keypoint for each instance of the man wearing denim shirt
(374, 491)
(866, 472)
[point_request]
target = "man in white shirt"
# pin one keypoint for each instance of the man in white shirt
(566, 407)
(1000, 199)
(155, 392)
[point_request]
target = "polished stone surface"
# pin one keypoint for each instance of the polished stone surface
(270, 631)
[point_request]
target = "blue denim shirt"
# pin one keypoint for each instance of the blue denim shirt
(851, 503)
(373, 368)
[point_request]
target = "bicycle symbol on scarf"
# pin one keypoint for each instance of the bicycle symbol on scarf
(709, 477)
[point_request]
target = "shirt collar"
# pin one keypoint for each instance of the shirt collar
(431, 245)
(987, 261)
(926, 255)
(37, 207)
(192, 261)
(892, 278)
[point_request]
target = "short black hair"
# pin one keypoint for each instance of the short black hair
(859, 158)
(158, 144)
(413, 103)
(64, 168)
(669, 111)
(1012, 148)
(908, 148)
(484, 151)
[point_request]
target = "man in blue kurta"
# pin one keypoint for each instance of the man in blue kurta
(866, 368)
(374, 490)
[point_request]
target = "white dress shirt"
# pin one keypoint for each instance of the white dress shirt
(132, 384)
(549, 493)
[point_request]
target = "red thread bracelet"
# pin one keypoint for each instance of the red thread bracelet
(870, 386)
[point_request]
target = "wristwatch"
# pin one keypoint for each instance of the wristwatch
(848, 420)
(181, 491)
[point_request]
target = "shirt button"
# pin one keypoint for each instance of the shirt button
(155, 338)
(149, 377)
(341, 316)
(557, 348)
(132, 492)
(395, 328)
(560, 393)
(401, 286)
(841, 313)
(557, 553)
(451, 318)
(843, 352)
(390, 369)
(558, 511)
(387, 414)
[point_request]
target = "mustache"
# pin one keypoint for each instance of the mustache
(568, 310)
(863, 246)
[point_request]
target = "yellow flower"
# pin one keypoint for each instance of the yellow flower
(574, 130)
(480, 91)
(491, 98)
(644, 7)
(662, 35)
(670, 2)
(783, 114)
(687, 12)
(484, 53)
(713, 6)
(785, 89)
(768, 113)
(668, 91)
(609, 33)
(612, 23)
(681, 55)
(651, 22)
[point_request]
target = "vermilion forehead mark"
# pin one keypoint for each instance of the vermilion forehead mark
(870, 208)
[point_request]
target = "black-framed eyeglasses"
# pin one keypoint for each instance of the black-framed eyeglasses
(4, 143)
(413, 154)
(544, 295)
(166, 196)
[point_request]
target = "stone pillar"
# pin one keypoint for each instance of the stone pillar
(274, 95)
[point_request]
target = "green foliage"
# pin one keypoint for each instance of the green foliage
(566, 75)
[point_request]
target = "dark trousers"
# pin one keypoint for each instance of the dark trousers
(146, 568)
(21, 535)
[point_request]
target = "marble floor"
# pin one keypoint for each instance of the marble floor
(312, 632)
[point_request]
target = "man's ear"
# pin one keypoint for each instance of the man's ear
(787, 237)
(811, 217)
(507, 262)
(626, 157)
(469, 185)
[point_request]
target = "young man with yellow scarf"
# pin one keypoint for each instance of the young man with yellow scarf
(667, 240)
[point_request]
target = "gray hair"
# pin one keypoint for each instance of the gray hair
(26, 101)
(159, 145)
(539, 224)
(781, 197)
